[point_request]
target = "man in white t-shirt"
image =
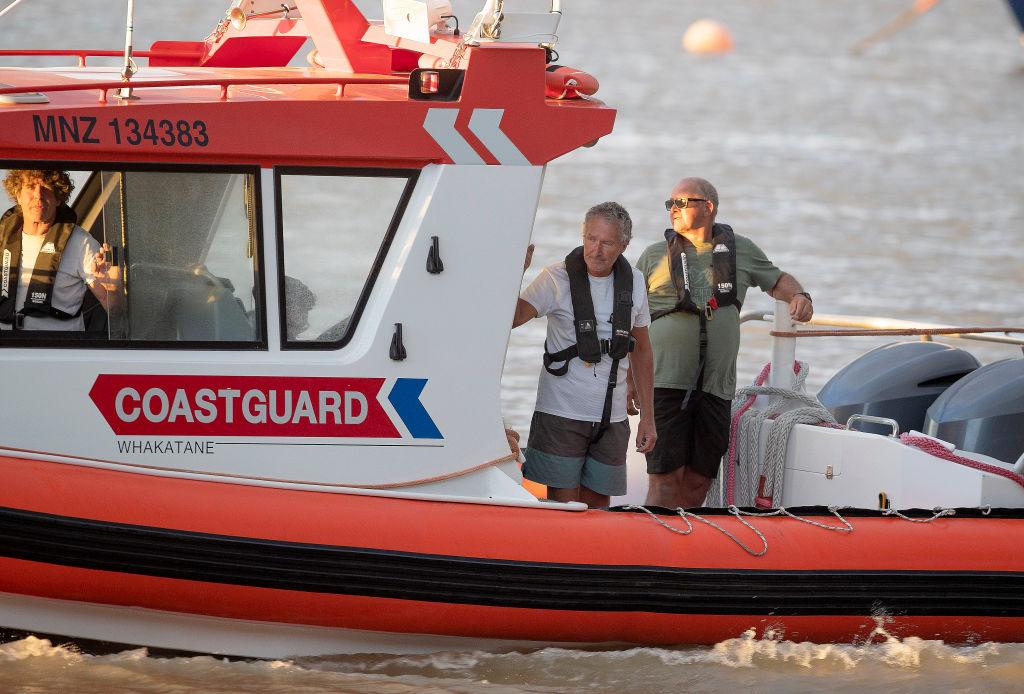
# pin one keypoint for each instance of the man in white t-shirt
(46, 260)
(579, 433)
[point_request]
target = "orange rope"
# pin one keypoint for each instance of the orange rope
(899, 331)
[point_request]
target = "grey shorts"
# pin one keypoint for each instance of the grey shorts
(560, 455)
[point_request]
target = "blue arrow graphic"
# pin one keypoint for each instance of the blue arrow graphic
(405, 398)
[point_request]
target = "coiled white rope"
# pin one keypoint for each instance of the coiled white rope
(739, 479)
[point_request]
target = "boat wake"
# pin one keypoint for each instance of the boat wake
(771, 664)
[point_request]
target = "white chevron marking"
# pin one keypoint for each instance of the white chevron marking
(440, 125)
(485, 123)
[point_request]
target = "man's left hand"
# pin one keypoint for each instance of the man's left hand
(800, 308)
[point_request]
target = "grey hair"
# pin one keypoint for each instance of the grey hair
(616, 214)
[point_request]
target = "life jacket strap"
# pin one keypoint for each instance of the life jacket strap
(702, 356)
(572, 351)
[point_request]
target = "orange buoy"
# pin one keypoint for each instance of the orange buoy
(707, 36)
(563, 82)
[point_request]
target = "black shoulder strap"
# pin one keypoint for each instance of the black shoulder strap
(622, 313)
(588, 346)
(675, 250)
(723, 265)
(10, 260)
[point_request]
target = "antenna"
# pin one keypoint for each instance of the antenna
(10, 7)
(129, 68)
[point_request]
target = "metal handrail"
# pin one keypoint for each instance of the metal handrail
(888, 326)
(223, 82)
(83, 53)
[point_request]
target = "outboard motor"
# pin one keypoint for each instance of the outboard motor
(983, 412)
(898, 381)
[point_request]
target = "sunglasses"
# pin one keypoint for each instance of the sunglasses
(682, 203)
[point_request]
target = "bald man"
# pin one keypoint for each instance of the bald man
(697, 279)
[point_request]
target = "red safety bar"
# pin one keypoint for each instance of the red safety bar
(222, 82)
(82, 54)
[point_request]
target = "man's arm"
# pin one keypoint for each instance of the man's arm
(524, 312)
(640, 379)
(789, 290)
(106, 285)
(524, 309)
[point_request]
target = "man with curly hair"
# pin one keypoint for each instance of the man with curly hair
(47, 260)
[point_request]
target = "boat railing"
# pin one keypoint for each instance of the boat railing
(84, 53)
(785, 333)
(860, 326)
(340, 81)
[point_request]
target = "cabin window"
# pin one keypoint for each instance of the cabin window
(186, 246)
(335, 231)
(191, 270)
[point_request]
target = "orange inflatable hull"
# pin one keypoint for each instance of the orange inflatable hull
(383, 564)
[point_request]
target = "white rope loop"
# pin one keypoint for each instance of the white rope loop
(686, 515)
(937, 512)
(847, 527)
(738, 513)
(689, 525)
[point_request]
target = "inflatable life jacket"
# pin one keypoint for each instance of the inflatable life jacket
(589, 347)
(38, 299)
(723, 269)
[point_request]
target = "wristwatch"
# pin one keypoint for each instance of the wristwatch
(804, 294)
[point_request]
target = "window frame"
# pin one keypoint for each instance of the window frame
(74, 340)
(411, 177)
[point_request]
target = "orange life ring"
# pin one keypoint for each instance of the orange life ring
(563, 82)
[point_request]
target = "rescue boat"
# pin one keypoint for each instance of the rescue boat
(282, 442)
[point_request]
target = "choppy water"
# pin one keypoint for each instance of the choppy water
(889, 184)
(911, 665)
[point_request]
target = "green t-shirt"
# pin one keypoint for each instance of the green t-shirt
(676, 337)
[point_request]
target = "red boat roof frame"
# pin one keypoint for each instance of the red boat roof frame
(308, 116)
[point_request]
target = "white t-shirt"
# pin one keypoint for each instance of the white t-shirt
(580, 393)
(70, 284)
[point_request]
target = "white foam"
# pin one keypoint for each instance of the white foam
(32, 647)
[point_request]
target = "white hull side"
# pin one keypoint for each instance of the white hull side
(236, 637)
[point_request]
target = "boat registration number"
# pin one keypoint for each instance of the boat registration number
(128, 131)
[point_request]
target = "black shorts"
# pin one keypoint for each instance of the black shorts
(696, 437)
